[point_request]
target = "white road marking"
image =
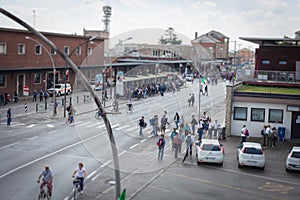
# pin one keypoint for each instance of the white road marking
(91, 174)
(9, 145)
(121, 153)
(50, 125)
(17, 124)
(83, 124)
(105, 164)
(31, 125)
(48, 155)
(122, 127)
(96, 176)
(32, 138)
(143, 140)
(133, 146)
(52, 132)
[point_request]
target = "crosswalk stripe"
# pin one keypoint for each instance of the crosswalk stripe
(50, 125)
(31, 125)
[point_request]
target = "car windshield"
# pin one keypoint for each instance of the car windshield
(210, 147)
(58, 86)
(296, 154)
(253, 150)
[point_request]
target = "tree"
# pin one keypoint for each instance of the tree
(170, 37)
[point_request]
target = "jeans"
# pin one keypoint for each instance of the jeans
(176, 147)
(160, 153)
(141, 131)
(81, 182)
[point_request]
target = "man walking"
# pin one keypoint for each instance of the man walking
(8, 114)
(161, 146)
(141, 125)
(189, 140)
(176, 143)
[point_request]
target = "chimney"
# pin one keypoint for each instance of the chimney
(196, 35)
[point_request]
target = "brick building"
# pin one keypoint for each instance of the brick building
(26, 61)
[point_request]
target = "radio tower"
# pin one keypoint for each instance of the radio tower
(107, 15)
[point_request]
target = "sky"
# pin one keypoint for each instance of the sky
(146, 20)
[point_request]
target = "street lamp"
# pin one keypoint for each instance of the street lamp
(65, 75)
(54, 71)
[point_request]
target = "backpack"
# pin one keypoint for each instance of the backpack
(159, 143)
(188, 140)
(246, 132)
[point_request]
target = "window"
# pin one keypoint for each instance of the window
(90, 51)
(282, 62)
(258, 114)
(38, 49)
(2, 48)
(66, 50)
(78, 51)
(276, 115)
(265, 62)
(52, 51)
(37, 78)
(240, 113)
(2, 80)
(21, 49)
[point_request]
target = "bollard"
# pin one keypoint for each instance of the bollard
(45, 105)
(25, 107)
(77, 99)
(62, 102)
(37, 107)
(83, 98)
(70, 100)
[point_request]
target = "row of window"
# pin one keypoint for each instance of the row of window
(38, 49)
(166, 53)
(258, 114)
(280, 62)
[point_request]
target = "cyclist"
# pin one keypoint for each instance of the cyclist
(129, 104)
(80, 175)
(47, 175)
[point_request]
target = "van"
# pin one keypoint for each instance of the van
(60, 89)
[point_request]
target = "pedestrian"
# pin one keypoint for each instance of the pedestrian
(71, 114)
(46, 95)
(176, 119)
(161, 146)
(172, 135)
(275, 136)
(181, 122)
(182, 139)
(16, 97)
(155, 125)
(193, 124)
(163, 124)
(166, 116)
(210, 129)
(216, 128)
(80, 175)
(206, 90)
(269, 136)
(189, 99)
(187, 129)
(200, 126)
(41, 95)
(34, 95)
(8, 115)
(244, 134)
(189, 140)
(176, 142)
(142, 126)
(263, 133)
(193, 99)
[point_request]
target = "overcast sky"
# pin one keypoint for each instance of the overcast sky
(234, 18)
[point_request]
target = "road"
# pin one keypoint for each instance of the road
(30, 143)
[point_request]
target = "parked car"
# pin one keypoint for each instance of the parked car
(293, 160)
(96, 86)
(251, 154)
(60, 89)
(209, 151)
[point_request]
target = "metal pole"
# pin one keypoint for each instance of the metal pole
(85, 81)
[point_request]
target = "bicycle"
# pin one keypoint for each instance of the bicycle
(44, 194)
(76, 189)
(98, 114)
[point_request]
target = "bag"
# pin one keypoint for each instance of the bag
(246, 132)
(159, 143)
(145, 125)
(262, 132)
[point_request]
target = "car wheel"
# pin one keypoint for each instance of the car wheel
(239, 165)
(287, 170)
(221, 164)
(263, 168)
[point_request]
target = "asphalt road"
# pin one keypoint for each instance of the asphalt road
(36, 140)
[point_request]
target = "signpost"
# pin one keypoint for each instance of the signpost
(26, 91)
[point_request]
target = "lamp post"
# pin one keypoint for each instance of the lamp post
(54, 71)
(65, 75)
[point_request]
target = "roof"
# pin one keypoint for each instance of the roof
(269, 41)
(206, 39)
(252, 144)
(296, 148)
(216, 34)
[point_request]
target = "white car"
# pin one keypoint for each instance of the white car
(251, 154)
(95, 86)
(293, 160)
(60, 89)
(209, 151)
(189, 77)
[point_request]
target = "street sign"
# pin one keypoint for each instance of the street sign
(26, 91)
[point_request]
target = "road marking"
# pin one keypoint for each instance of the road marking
(50, 125)
(31, 125)
(143, 140)
(32, 138)
(17, 124)
(46, 156)
(133, 146)
(105, 164)
(96, 176)
(9, 145)
(52, 132)
(95, 124)
(83, 124)
(121, 153)
(91, 174)
(122, 127)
